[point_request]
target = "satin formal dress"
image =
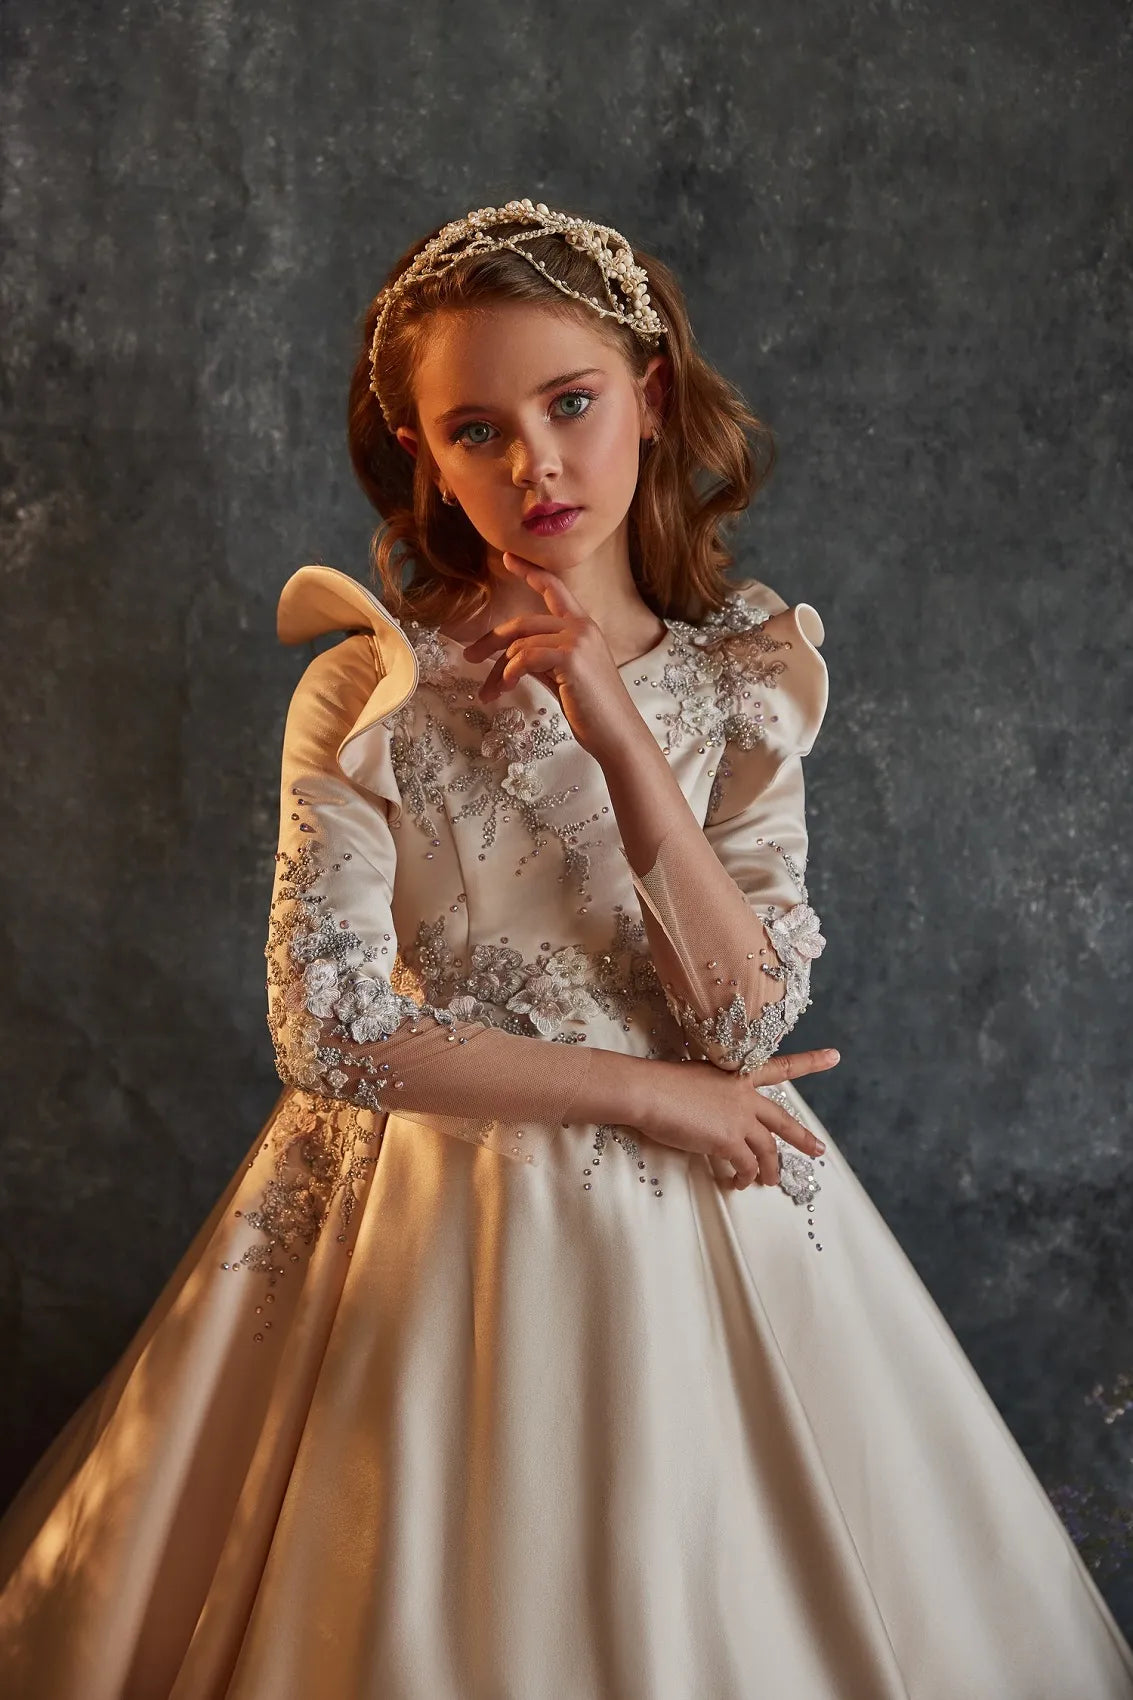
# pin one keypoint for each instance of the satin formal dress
(457, 1395)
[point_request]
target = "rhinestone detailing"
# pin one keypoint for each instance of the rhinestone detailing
(386, 921)
(323, 1153)
(326, 983)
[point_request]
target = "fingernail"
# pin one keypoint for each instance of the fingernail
(835, 1056)
(819, 1146)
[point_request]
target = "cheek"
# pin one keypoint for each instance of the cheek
(481, 484)
(610, 453)
(475, 479)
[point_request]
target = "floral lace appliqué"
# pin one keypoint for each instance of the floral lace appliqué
(326, 984)
(542, 995)
(497, 770)
(323, 1153)
(725, 653)
(798, 1173)
(734, 1035)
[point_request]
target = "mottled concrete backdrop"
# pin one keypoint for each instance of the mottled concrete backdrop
(905, 232)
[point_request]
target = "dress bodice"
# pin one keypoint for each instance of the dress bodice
(458, 862)
(513, 902)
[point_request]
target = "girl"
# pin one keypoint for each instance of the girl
(541, 1348)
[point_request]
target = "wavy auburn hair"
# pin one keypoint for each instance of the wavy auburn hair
(709, 456)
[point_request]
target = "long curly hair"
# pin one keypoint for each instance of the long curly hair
(709, 456)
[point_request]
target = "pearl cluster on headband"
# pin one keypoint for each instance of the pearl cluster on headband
(473, 235)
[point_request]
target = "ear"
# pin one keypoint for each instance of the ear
(408, 439)
(654, 388)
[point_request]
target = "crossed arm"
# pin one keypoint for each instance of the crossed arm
(724, 907)
(735, 974)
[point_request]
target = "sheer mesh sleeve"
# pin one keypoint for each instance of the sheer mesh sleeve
(346, 1023)
(733, 935)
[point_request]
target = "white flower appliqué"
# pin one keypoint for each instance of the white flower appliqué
(796, 934)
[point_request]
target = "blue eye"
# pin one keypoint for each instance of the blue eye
(585, 396)
(577, 395)
(476, 425)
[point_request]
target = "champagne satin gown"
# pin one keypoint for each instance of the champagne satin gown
(457, 1396)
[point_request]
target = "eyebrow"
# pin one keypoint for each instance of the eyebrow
(552, 384)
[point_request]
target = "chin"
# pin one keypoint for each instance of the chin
(560, 557)
(559, 554)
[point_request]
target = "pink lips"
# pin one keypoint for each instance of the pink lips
(549, 524)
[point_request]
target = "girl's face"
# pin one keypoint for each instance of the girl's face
(522, 406)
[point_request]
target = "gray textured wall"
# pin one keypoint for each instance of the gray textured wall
(902, 231)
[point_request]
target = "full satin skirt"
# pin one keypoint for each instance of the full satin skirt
(494, 1432)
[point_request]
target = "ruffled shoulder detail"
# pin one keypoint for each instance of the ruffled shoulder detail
(772, 688)
(368, 677)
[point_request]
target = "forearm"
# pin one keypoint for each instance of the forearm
(647, 800)
(617, 1088)
(484, 1071)
(480, 1083)
(735, 974)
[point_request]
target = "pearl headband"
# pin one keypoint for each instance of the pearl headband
(473, 235)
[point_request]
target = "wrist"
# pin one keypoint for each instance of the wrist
(625, 738)
(616, 1088)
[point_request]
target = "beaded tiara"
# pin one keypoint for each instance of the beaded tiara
(626, 283)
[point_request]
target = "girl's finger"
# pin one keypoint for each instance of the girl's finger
(746, 1165)
(790, 1065)
(765, 1149)
(558, 596)
(788, 1127)
(509, 669)
(490, 684)
(536, 658)
(498, 637)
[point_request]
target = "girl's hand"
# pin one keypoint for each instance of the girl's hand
(565, 651)
(698, 1107)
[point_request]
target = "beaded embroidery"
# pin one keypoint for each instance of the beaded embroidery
(502, 988)
(725, 652)
(727, 647)
(324, 981)
(797, 1174)
(329, 991)
(324, 1152)
(733, 1035)
(730, 1032)
(327, 986)
(500, 769)
(606, 1131)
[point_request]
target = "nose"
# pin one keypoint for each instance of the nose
(533, 457)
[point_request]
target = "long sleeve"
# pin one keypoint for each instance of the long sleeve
(733, 935)
(347, 1019)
